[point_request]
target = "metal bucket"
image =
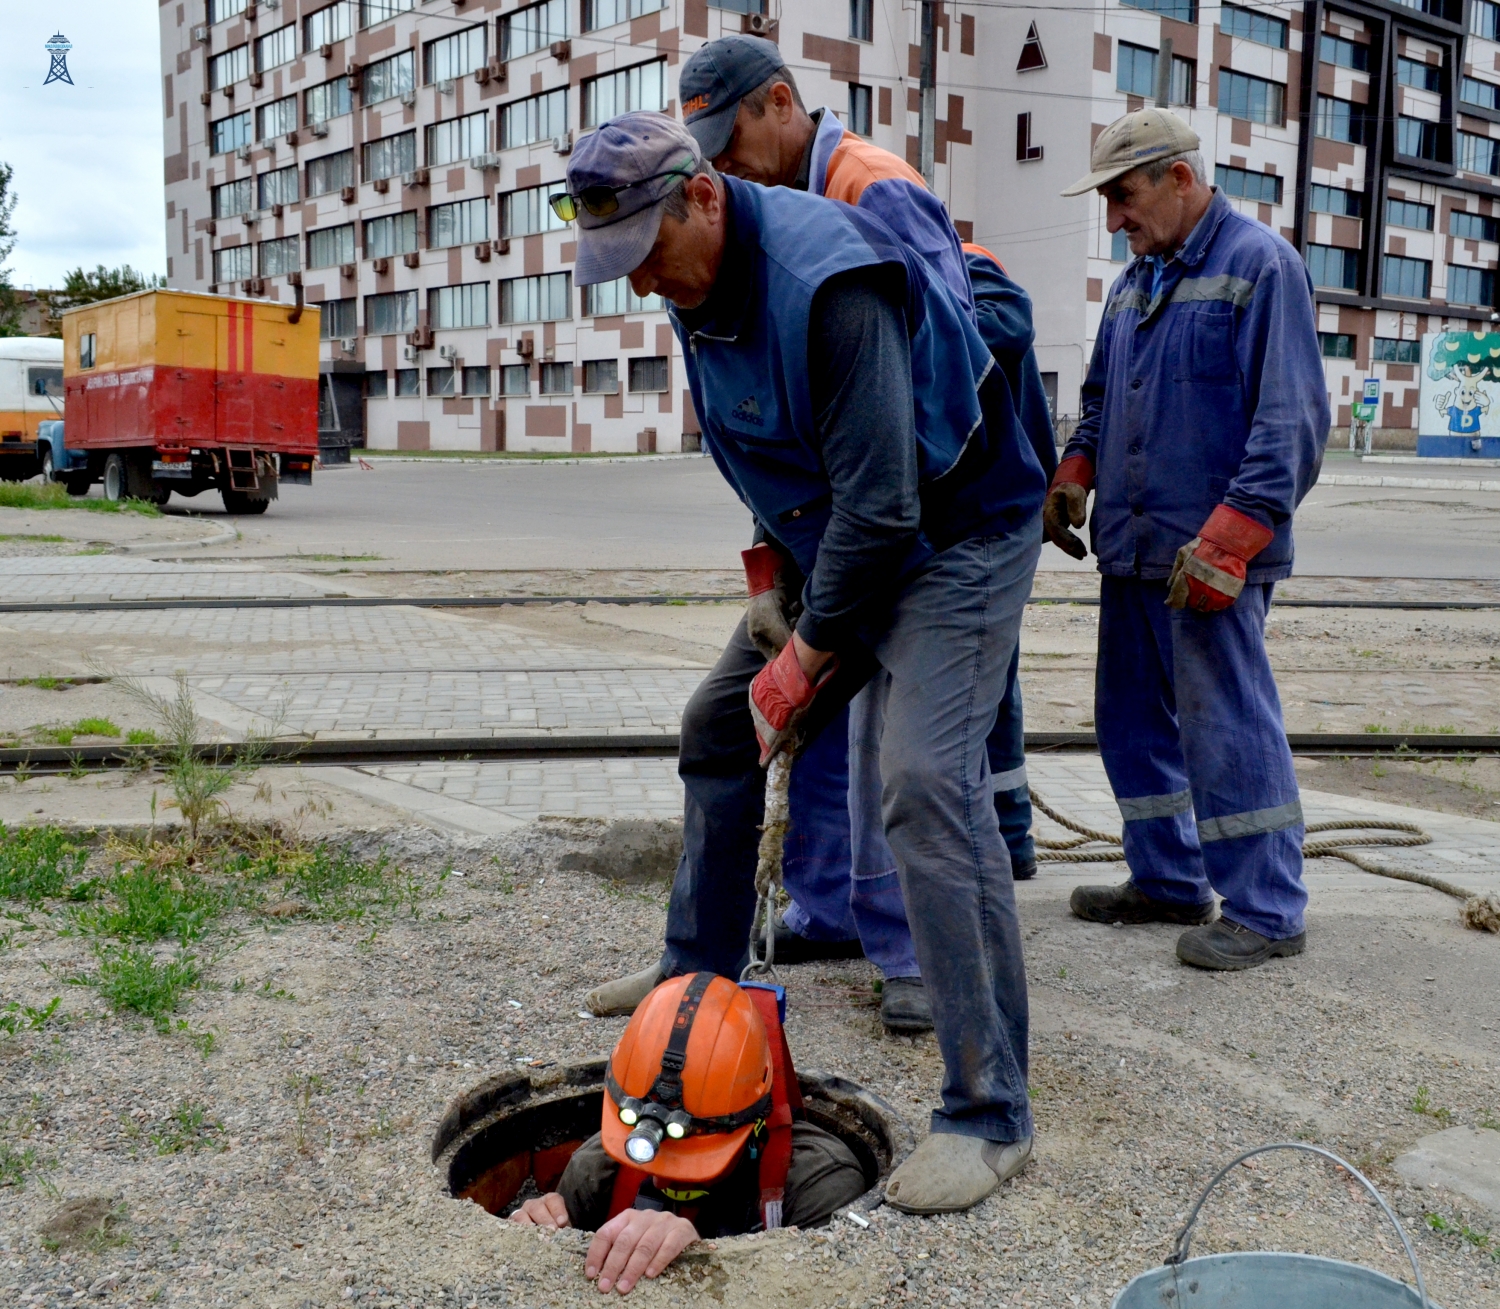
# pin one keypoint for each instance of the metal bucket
(1266, 1279)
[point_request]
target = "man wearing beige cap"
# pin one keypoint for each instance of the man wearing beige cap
(1204, 418)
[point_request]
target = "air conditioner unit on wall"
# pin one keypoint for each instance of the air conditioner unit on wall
(348, 344)
(347, 270)
(482, 252)
(348, 194)
(291, 138)
(448, 352)
(243, 154)
(563, 144)
(445, 87)
(382, 184)
(486, 161)
(421, 338)
(561, 51)
(410, 353)
(201, 33)
(757, 24)
(380, 266)
(249, 218)
(408, 98)
(318, 128)
(525, 347)
(257, 79)
(417, 177)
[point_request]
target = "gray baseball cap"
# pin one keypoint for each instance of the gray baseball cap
(641, 158)
(1131, 141)
(716, 79)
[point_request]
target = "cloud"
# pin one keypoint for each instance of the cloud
(87, 157)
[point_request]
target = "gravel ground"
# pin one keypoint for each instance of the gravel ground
(336, 1054)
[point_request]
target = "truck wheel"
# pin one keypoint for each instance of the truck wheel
(47, 465)
(78, 485)
(237, 502)
(116, 478)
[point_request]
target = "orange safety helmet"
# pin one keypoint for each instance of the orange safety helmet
(688, 1081)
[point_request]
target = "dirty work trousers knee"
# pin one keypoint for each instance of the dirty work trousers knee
(1191, 735)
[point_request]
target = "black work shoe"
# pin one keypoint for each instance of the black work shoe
(1126, 903)
(794, 948)
(1229, 947)
(904, 1007)
(1022, 871)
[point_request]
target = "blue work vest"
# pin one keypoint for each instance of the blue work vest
(750, 382)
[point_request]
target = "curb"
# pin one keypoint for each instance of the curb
(530, 463)
(1410, 483)
(223, 537)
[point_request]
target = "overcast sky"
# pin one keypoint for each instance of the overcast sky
(88, 157)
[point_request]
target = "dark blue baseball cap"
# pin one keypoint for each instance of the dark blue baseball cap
(642, 157)
(716, 79)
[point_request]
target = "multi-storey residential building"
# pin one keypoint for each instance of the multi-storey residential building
(395, 158)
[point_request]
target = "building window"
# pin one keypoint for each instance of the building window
(337, 321)
(278, 187)
(276, 48)
(390, 156)
(408, 382)
(1336, 345)
(1484, 19)
(1184, 11)
(456, 55)
(389, 78)
(1331, 265)
(441, 382)
(219, 10)
(606, 13)
(542, 299)
(377, 11)
(1243, 96)
(1474, 92)
(1478, 154)
(276, 119)
(1407, 213)
(279, 257)
(330, 173)
(395, 234)
(460, 223)
(459, 306)
(1425, 77)
(607, 298)
(524, 213)
(1336, 200)
(1388, 350)
(538, 26)
(538, 118)
(1119, 247)
(458, 139)
(377, 384)
(230, 133)
(87, 347)
(1250, 25)
(861, 20)
(329, 100)
(1416, 137)
(1408, 278)
(228, 68)
(330, 246)
(1338, 120)
(1135, 70)
(1184, 87)
(515, 379)
(739, 6)
(233, 199)
(649, 373)
(601, 377)
(390, 315)
(557, 379)
(1245, 185)
(1346, 54)
(1470, 286)
(325, 26)
(861, 120)
(476, 380)
(234, 264)
(1473, 227)
(613, 94)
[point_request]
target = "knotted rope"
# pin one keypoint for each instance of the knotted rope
(768, 864)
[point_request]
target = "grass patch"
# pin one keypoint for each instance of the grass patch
(15, 1164)
(323, 882)
(37, 862)
(147, 903)
(49, 495)
(189, 1128)
(33, 536)
(131, 979)
(18, 1017)
(1421, 1103)
(1376, 727)
(141, 736)
(95, 727)
(46, 683)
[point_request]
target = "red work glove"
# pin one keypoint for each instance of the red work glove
(1210, 570)
(768, 612)
(780, 697)
(1067, 504)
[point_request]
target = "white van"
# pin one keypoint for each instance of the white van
(31, 392)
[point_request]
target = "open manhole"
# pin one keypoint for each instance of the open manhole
(511, 1136)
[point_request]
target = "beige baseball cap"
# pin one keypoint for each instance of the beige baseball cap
(1134, 140)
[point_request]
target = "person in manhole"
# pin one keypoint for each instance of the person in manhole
(703, 1136)
(847, 396)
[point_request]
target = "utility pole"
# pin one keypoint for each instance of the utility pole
(927, 114)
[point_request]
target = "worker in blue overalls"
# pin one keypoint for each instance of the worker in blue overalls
(1205, 413)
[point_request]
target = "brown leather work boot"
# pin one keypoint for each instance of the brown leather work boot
(1126, 903)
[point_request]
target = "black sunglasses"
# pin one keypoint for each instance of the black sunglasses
(601, 201)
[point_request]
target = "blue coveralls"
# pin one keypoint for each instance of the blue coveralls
(1206, 387)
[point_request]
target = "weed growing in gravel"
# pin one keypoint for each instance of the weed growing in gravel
(15, 1164)
(148, 904)
(141, 736)
(95, 727)
(130, 978)
(16, 1017)
(1421, 1103)
(36, 862)
(325, 882)
(189, 1128)
(1479, 1240)
(303, 1089)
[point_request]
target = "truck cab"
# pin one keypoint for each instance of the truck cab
(31, 393)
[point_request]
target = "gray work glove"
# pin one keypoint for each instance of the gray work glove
(771, 611)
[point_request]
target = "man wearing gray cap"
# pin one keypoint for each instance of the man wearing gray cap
(846, 395)
(1204, 416)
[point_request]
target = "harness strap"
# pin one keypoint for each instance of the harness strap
(723, 1123)
(786, 1105)
(668, 1087)
(628, 1182)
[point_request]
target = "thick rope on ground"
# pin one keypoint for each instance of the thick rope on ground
(1481, 912)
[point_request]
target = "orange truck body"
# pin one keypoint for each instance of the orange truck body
(179, 371)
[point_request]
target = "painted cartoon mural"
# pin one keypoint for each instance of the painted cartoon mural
(1459, 416)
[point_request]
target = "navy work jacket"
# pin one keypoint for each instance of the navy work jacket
(1208, 391)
